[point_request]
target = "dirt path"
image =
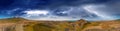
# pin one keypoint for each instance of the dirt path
(4, 26)
(19, 27)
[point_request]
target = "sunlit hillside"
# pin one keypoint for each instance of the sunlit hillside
(20, 24)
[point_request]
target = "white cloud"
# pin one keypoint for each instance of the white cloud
(13, 10)
(34, 15)
(96, 9)
(74, 13)
(36, 12)
(53, 18)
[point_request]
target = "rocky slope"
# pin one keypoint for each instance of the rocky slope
(20, 24)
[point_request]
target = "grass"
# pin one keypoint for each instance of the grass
(38, 27)
(53, 26)
(13, 20)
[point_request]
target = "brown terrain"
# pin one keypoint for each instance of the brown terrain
(20, 24)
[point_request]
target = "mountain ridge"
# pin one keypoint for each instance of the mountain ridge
(21, 24)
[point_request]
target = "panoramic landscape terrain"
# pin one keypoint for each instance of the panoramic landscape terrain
(59, 15)
(21, 24)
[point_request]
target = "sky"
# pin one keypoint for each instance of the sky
(61, 9)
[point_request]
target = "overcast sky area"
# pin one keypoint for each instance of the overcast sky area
(61, 9)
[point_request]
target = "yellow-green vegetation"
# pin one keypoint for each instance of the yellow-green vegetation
(63, 26)
(10, 29)
(56, 26)
(28, 28)
(94, 23)
(31, 25)
(13, 20)
(42, 27)
(38, 27)
(86, 25)
(45, 27)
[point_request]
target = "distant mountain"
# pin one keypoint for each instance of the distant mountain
(118, 19)
(12, 19)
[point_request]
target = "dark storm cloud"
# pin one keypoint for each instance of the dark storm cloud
(61, 7)
(4, 3)
(47, 3)
(43, 4)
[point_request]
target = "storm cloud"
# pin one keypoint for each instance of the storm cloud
(61, 9)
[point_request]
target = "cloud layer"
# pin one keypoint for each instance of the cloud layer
(61, 9)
